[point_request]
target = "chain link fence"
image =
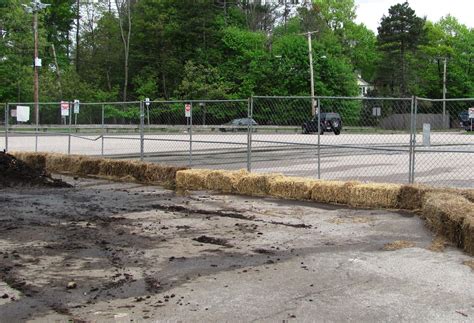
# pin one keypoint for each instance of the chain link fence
(399, 140)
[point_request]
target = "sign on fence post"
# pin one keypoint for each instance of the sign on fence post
(64, 109)
(426, 134)
(76, 106)
(187, 110)
(22, 113)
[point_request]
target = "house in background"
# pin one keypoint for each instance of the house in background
(364, 86)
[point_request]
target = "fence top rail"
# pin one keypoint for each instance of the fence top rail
(446, 100)
(82, 103)
(198, 101)
(333, 97)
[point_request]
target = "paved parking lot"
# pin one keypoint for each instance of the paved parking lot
(366, 157)
(144, 253)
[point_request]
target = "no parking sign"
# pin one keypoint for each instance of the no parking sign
(187, 110)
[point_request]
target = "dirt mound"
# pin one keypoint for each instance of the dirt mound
(15, 172)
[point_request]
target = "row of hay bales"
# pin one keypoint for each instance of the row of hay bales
(449, 212)
(106, 168)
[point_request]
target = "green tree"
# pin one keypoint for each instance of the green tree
(399, 36)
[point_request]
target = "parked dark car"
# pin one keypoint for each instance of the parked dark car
(330, 121)
(465, 121)
(238, 124)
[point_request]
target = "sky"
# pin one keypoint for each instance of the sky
(370, 12)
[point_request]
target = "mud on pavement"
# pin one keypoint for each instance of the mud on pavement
(103, 251)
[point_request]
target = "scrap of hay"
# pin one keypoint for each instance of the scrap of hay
(192, 179)
(397, 245)
(411, 196)
(452, 216)
(291, 187)
(438, 244)
(332, 191)
(224, 181)
(352, 219)
(469, 263)
(34, 160)
(255, 184)
(375, 195)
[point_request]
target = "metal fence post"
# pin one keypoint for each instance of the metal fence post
(142, 125)
(249, 134)
(36, 129)
(410, 154)
(191, 136)
(319, 137)
(414, 142)
(103, 131)
(7, 108)
(70, 129)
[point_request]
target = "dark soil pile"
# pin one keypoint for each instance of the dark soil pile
(15, 172)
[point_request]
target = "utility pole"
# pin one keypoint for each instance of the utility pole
(34, 7)
(310, 50)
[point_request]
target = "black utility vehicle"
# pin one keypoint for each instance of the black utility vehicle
(238, 124)
(330, 121)
(465, 121)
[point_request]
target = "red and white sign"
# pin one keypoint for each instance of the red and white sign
(64, 109)
(187, 110)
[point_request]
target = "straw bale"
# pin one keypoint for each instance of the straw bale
(156, 173)
(452, 216)
(90, 166)
(59, 163)
(255, 184)
(411, 196)
(335, 192)
(192, 179)
(468, 232)
(296, 188)
(375, 195)
(34, 160)
(224, 181)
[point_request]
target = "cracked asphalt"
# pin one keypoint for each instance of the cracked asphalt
(130, 252)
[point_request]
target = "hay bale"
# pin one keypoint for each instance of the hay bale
(335, 192)
(156, 173)
(468, 233)
(36, 161)
(192, 179)
(89, 166)
(296, 188)
(375, 195)
(451, 215)
(255, 184)
(59, 163)
(411, 196)
(224, 181)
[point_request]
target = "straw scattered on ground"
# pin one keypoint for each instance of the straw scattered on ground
(397, 245)
(438, 244)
